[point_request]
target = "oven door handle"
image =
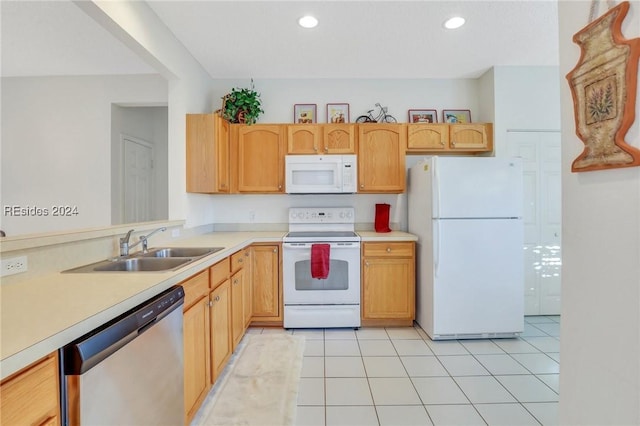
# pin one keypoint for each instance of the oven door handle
(298, 246)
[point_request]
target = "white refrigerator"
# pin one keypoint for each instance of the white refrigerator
(467, 214)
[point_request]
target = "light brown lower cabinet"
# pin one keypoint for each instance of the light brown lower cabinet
(31, 396)
(240, 293)
(266, 291)
(221, 345)
(196, 338)
(388, 283)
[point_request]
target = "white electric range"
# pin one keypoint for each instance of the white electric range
(321, 303)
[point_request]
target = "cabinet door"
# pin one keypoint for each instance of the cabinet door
(471, 137)
(197, 363)
(260, 158)
(339, 138)
(246, 288)
(381, 155)
(266, 294)
(220, 316)
(388, 285)
(207, 142)
(223, 139)
(237, 306)
(30, 397)
(304, 139)
(427, 137)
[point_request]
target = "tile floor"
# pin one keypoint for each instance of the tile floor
(398, 376)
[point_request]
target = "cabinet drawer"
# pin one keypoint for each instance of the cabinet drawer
(195, 288)
(390, 249)
(31, 396)
(219, 272)
(237, 260)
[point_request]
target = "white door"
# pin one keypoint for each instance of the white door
(137, 180)
(540, 152)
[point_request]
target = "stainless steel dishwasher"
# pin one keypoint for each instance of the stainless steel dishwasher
(130, 370)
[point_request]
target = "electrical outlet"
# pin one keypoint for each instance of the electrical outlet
(15, 265)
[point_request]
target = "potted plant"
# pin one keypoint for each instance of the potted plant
(242, 105)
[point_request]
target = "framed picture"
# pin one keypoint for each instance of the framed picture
(423, 116)
(305, 113)
(456, 116)
(338, 113)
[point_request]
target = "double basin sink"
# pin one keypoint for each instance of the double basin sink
(155, 260)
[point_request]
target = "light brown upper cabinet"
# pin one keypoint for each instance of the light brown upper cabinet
(257, 158)
(471, 137)
(451, 138)
(207, 142)
(381, 157)
(321, 139)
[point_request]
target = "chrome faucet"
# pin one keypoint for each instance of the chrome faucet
(143, 239)
(125, 246)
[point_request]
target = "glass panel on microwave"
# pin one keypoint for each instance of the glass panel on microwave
(338, 278)
(313, 177)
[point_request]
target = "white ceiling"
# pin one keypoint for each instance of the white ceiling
(261, 39)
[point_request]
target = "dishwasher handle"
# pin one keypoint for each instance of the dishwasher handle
(89, 350)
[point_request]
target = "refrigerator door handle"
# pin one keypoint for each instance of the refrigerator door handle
(436, 247)
(436, 188)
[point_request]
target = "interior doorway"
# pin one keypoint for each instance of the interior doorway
(137, 179)
(139, 164)
(540, 152)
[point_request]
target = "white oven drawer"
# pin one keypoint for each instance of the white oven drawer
(326, 316)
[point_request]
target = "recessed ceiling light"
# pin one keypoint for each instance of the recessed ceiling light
(308, 21)
(455, 22)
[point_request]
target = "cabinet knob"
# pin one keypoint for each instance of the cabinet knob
(388, 249)
(275, 250)
(235, 281)
(366, 263)
(209, 303)
(217, 299)
(362, 185)
(326, 149)
(279, 186)
(240, 260)
(315, 148)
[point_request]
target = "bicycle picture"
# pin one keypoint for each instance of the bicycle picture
(381, 117)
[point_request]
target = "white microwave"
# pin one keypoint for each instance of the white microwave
(321, 174)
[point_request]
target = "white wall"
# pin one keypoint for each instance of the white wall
(526, 98)
(399, 95)
(508, 95)
(190, 90)
(279, 95)
(600, 345)
(56, 145)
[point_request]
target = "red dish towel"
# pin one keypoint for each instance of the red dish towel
(320, 261)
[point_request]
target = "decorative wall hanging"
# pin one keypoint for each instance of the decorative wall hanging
(603, 85)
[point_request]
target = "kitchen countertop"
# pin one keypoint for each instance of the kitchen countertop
(42, 314)
(373, 236)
